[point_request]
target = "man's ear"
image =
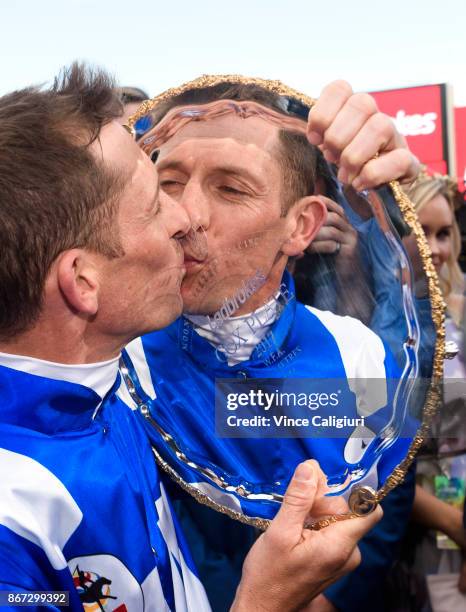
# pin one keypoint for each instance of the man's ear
(78, 280)
(305, 218)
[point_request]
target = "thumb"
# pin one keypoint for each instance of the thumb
(297, 503)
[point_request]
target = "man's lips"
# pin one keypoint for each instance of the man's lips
(192, 262)
(194, 246)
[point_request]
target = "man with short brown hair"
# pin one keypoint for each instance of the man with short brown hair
(48, 163)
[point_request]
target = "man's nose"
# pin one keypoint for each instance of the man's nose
(196, 204)
(179, 221)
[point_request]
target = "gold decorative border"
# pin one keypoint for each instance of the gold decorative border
(207, 80)
(203, 498)
(436, 299)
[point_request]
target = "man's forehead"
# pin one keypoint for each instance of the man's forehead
(115, 147)
(249, 131)
(121, 154)
(118, 151)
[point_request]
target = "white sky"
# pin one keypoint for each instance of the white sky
(305, 43)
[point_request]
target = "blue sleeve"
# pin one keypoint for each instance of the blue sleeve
(361, 590)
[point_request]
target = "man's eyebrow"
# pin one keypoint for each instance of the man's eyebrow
(171, 164)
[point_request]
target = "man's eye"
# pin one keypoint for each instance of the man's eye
(167, 184)
(231, 190)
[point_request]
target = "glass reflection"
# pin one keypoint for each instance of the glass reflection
(262, 316)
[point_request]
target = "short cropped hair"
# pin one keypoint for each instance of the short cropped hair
(54, 193)
(300, 161)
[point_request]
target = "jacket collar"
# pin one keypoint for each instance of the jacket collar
(39, 395)
(203, 352)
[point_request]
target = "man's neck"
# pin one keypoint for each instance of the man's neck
(268, 290)
(249, 325)
(67, 344)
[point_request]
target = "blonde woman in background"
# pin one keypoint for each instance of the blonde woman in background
(442, 466)
(435, 199)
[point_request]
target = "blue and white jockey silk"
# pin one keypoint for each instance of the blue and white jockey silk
(82, 506)
(175, 370)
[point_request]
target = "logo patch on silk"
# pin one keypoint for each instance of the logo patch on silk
(104, 583)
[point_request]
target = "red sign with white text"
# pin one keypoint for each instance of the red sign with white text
(460, 137)
(421, 115)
